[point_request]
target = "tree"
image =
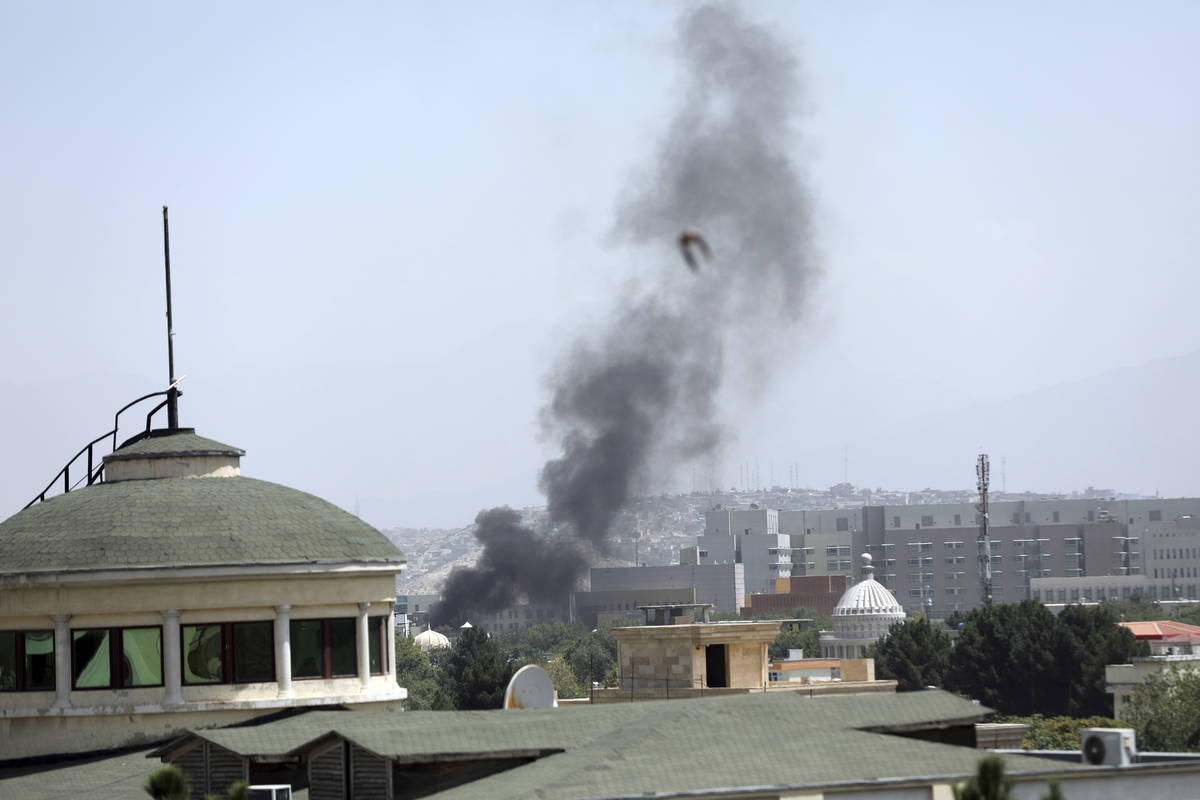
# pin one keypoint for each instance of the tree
(238, 790)
(563, 678)
(1004, 659)
(914, 653)
(476, 674)
(808, 640)
(988, 782)
(1165, 710)
(168, 783)
(1086, 639)
(593, 656)
(416, 674)
(1136, 609)
(536, 644)
(1056, 733)
(810, 637)
(788, 640)
(1021, 659)
(1190, 615)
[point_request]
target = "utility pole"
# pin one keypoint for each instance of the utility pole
(985, 544)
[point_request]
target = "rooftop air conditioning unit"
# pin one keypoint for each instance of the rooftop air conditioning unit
(277, 791)
(1108, 746)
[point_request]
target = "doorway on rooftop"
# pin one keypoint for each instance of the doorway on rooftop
(714, 666)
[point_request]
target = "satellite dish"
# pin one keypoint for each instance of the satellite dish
(530, 688)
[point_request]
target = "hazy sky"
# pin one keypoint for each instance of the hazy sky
(387, 221)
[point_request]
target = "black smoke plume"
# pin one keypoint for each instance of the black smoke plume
(641, 394)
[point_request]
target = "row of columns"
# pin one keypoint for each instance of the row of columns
(172, 662)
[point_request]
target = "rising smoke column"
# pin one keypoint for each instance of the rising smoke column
(641, 393)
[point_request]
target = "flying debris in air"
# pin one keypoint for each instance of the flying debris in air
(687, 239)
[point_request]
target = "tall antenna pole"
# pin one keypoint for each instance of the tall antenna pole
(985, 544)
(173, 390)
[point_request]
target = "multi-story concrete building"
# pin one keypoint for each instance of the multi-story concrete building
(721, 585)
(521, 615)
(928, 554)
(621, 607)
(749, 537)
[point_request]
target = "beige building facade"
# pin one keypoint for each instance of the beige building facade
(714, 655)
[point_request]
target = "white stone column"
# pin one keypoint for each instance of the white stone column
(390, 645)
(283, 650)
(172, 666)
(62, 661)
(364, 645)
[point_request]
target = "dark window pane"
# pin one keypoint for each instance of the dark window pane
(39, 660)
(141, 657)
(375, 633)
(90, 667)
(307, 659)
(203, 659)
(8, 661)
(253, 652)
(341, 643)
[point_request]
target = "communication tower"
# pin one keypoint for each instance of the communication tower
(985, 543)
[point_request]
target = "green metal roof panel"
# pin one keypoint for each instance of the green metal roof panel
(184, 522)
(628, 750)
(120, 776)
(185, 442)
(731, 743)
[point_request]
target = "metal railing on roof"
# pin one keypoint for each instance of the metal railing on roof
(95, 473)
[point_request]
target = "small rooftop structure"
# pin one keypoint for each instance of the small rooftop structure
(683, 655)
(677, 613)
(1167, 636)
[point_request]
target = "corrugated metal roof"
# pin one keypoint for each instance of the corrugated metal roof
(1164, 629)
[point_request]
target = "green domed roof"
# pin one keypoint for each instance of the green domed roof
(186, 522)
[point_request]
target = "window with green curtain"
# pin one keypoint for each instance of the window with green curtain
(376, 630)
(307, 649)
(39, 660)
(8, 661)
(253, 651)
(90, 666)
(343, 657)
(203, 654)
(141, 657)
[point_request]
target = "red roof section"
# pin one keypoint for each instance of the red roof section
(1166, 629)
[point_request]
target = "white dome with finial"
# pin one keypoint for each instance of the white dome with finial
(863, 616)
(868, 596)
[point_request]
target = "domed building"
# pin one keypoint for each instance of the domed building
(861, 617)
(171, 593)
(430, 639)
